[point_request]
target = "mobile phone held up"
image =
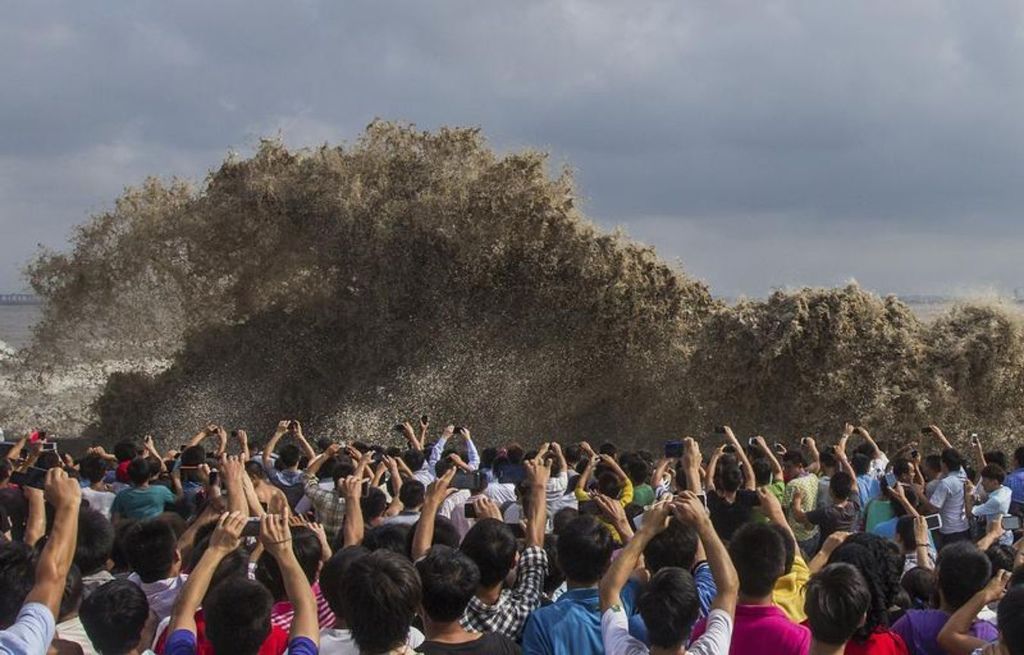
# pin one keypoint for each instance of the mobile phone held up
(933, 521)
(252, 528)
(1011, 523)
(471, 481)
(673, 449)
(469, 510)
(34, 477)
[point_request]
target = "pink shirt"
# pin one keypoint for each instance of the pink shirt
(763, 629)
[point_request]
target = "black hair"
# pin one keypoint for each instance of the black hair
(728, 476)
(193, 456)
(412, 493)
(1008, 620)
(759, 554)
(790, 545)
(289, 455)
(333, 572)
(637, 469)
(837, 598)
(827, 459)
(237, 616)
(449, 579)
(92, 468)
(963, 571)
(255, 470)
(998, 458)
(881, 568)
(794, 458)
(608, 448)
(952, 459)
(139, 471)
(150, 547)
(95, 541)
(932, 462)
(584, 550)
(114, 616)
(373, 504)
(413, 459)
(554, 578)
(6, 468)
(860, 463)
(901, 466)
(445, 534)
(392, 537)
(492, 546)
(126, 450)
(307, 549)
(676, 545)
(1018, 456)
(994, 472)
(563, 518)
(234, 564)
(669, 606)
(763, 471)
(17, 575)
(921, 586)
(1001, 556)
(72, 595)
(379, 596)
(841, 485)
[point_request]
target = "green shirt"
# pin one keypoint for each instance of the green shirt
(643, 495)
(144, 503)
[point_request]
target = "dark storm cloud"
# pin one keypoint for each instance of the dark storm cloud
(761, 143)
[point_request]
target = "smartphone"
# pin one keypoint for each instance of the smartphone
(673, 449)
(720, 429)
(424, 419)
(752, 442)
(778, 448)
(457, 430)
(933, 521)
(974, 438)
(50, 446)
(1011, 523)
(890, 480)
(252, 528)
(293, 425)
(34, 477)
(469, 510)
(638, 521)
(589, 508)
(6, 447)
(464, 480)
(803, 441)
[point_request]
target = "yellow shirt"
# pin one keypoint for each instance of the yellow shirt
(626, 497)
(790, 590)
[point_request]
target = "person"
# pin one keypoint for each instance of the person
(309, 551)
(679, 545)
(33, 624)
(836, 606)
(839, 515)
(758, 551)
(948, 500)
(669, 605)
(238, 611)
(337, 639)
(449, 580)
(800, 481)
(881, 569)
(411, 497)
(379, 597)
(956, 638)
(611, 483)
(151, 548)
(572, 624)
(93, 469)
(70, 631)
(93, 550)
(1015, 481)
(143, 500)
(490, 543)
(284, 473)
(996, 500)
(116, 618)
(963, 571)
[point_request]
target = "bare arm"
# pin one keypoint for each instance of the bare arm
(876, 452)
(762, 445)
(955, 637)
(307, 449)
(812, 450)
(353, 527)
(538, 472)
(268, 450)
(436, 493)
(819, 561)
(231, 474)
(937, 433)
(54, 562)
(276, 537)
(709, 474)
(243, 441)
(622, 568)
(689, 510)
(691, 462)
(35, 522)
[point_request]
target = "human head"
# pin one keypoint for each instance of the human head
(95, 541)
(5, 469)
(584, 551)
(836, 603)
(963, 571)
(373, 504)
(492, 547)
(1018, 457)
(1009, 617)
(903, 470)
(411, 494)
(92, 468)
(676, 545)
(762, 471)
(841, 486)
(17, 575)
(931, 466)
(114, 616)
(254, 469)
(669, 606)
(126, 450)
(759, 554)
(728, 477)
(413, 459)
(139, 471)
(237, 615)
(379, 596)
(860, 463)
(609, 484)
(827, 462)
(638, 470)
(992, 476)
(152, 550)
(881, 568)
(951, 460)
(1001, 557)
(289, 455)
(920, 585)
(333, 572)
(793, 464)
(449, 579)
(307, 549)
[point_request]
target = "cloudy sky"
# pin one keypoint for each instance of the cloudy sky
(760, 144)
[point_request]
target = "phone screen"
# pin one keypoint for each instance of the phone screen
(34, 477)
(673, 449)
(890, 480)
(469, 510)
(933, 521)
(1011, 523)
(252, 528)
(464, 480)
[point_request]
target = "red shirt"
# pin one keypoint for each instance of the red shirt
(881, 642)
(276, 642)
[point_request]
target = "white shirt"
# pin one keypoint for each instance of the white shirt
(160, 594)
(99, 500)
(73, 630)
(949, 498)
(618, 641)
(501, 493)
(339, 641)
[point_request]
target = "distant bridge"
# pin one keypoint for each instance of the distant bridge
(19, 299)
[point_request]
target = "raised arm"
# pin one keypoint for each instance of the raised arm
(410, 436)
(955, 637)
(762, 445)
(937, 433)
(709, 474)
(471, 452)
(588, 470)
(437, 491)
(435, 453)
(352, 527)
(538, 472)
(243, 441)
(276, 537)
(876, 452)
(691, 462)
(64, 494)
(14, 454)
(688, 509)
(617, 575)
(307, 449)
(812, 449)
(268, 450)
(231, 474)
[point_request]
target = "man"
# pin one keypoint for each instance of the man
(669, 605)
(151, 548)
(33, 627)
(238, 611)
(1015, 481)
(996, 500)
(804, 483)
(837, 603)
(839, 515)
(143, 500)
(116, 617)
(285, 473)
(449, 581)
(380, 595)
(948, 500)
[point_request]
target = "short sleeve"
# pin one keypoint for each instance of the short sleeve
(302, 646)
(816, 516)
(181, 642)
(168, 495)
(615, 634)
(717, 636)
(31, 633)
(938, 497)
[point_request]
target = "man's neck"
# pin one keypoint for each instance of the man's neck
(819, 648)
(489, 595)
(447, 633)
(744, 599)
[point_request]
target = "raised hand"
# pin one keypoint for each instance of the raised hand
(688, 509)
(275, 535)
(61, 491)
(486, 508)
(352, 488)
(226, 535)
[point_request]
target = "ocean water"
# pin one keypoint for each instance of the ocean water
(16, 323)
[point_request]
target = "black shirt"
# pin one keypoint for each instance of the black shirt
(728, 517)
(488, 643)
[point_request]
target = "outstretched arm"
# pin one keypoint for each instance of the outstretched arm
(689, 510)
(52, 570)
(955, 637)
(437, 491)
(268, 450)
(622, 568)
(762, 445)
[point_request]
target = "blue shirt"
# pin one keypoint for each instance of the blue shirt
(706, 591)
(572, 624)
(868, 489)
(1015, 481)
(31, 633)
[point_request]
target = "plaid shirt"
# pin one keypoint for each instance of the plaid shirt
(509, 614)
(330, 508)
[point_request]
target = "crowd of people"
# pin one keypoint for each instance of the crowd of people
(438, 546)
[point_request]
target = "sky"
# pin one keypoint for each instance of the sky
(758, 144)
